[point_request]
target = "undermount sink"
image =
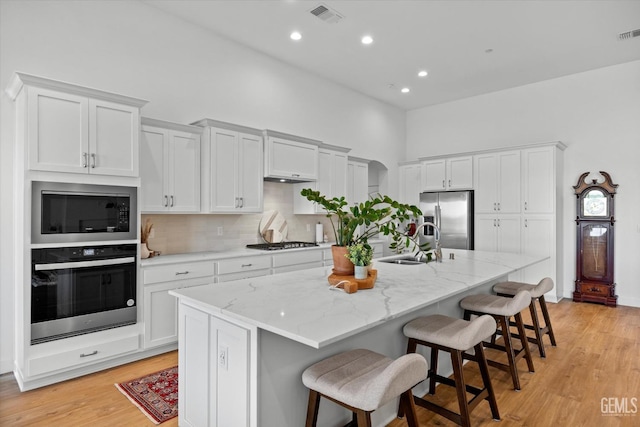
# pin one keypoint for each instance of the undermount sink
(405, 260)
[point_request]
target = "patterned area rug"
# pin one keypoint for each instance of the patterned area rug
(156, 395)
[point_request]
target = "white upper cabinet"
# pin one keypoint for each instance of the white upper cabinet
(357, 181)
(497, 182)
(290, 157)
(332, 180)
(455, 173)
(232, 160)
(78, 130)
(410, 184)
(539, 180)
(170, 167)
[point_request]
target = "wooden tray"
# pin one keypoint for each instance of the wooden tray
(362, 283)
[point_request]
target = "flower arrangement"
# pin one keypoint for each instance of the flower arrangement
(360, 254)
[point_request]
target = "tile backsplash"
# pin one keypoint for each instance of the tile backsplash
(173, 234)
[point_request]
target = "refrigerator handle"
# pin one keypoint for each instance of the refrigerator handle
(438, 216)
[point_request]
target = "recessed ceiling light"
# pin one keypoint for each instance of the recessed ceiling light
(367, 40)
(405, 90)
(423, 73)
(295, 35)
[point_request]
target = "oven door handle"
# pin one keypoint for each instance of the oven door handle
(84, 264)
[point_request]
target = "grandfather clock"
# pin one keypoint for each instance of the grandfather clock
(594, 235)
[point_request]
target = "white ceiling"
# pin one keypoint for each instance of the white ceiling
(531, 41)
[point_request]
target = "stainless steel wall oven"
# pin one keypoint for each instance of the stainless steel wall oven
(75, 290)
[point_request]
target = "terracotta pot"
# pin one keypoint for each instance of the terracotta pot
(342, 266)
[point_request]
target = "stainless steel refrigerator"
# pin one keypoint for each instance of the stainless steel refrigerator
(452, 212)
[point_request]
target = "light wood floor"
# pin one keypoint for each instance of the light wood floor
(598, 356)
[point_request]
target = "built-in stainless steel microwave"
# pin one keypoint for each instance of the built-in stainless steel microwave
(65, 212)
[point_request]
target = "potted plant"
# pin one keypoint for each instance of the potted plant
(356, 224)
(360, 255)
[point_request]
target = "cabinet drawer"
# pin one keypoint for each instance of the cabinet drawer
(83, 355)
(247, 263)
(294, 258)
(187, 270)
(598, 289)
(243, 275)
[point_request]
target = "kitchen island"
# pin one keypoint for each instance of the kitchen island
(243, 345)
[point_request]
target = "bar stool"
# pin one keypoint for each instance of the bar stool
(362, 381)
(509, 289)
(454, 336)
(502, 309)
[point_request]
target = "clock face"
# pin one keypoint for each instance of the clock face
(595, 204)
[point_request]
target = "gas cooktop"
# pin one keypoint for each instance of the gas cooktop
(281, 245)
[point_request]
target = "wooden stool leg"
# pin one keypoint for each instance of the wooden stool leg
(433, 371)
(406, 401)
(536, 327)
(524, 341)
(456, 361)
(547, 320)
(486, 379)
(312, 408)
(364, 418)
(508, 348)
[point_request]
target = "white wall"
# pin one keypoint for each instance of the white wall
(187, 74)
(596, 113)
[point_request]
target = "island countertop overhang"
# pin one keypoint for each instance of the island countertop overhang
(300, 307)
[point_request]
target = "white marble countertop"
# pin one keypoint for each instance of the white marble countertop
(300, 306)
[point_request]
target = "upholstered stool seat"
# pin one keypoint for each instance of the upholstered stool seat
(362, 381)
(454, 336)
(509, 289)
(503, 309)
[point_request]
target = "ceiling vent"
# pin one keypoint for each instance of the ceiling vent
(326, 14)
(629, 34)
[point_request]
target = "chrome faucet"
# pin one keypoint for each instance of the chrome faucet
(437, 251)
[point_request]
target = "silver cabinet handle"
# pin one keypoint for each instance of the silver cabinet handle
(171, 200)
(166, 201)
(295, 175)
(85, 159)
(526, 224)
(525, 206)
(494, 206)
(93, 353)
(443, 183)
(246, 265)
(237, 203)
(179, 273)
(494, 223)
(242, 202)
(449, 183)
(93, 160)
(498, 223)
(498, 205)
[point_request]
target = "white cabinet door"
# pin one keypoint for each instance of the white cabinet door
(538, 183)
(184, 172)
(459, 172)
(154, 152)
(224, 164)
(410, 184)
(58, 131)
(170, 170)
(509, 182)
(538, 239)
(113, 138)
(497, 182)
(160, 315)
(357, 182)
(455, 173)
(486, 233)
(487, 183)
(339, 181)
(499, 233)
(290, 159)
(332, 182)
(250, 173)
(434, 175)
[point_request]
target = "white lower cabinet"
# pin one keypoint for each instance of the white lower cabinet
(498, 233)
(538, 239)
(217, 391)
(161, 309)
(243, 267)
(302, 260)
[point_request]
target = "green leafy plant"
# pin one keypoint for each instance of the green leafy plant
(377, 215)
(360, 254)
